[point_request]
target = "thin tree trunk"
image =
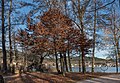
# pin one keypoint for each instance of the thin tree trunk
(82, 48)
(117, 57)
(83, 61)
(41, 61)
(63, 67)
(57, 68)
(94, 38)
(56, 56)
(61, 62)
(69, 61)
(116, 41)
(9, 27)
(65, 61)
(79, 62)
(117, 62)
(3, 40)
(117, 45)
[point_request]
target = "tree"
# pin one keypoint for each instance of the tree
(94, 37)
(57, 23)
(80, 9)
(3, 40)
(113, 30)
(9, 27)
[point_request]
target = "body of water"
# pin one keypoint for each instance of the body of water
(98, 69)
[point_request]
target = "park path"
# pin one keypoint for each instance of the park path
(35, 77)
(23, 78)
(38, 77)
(103, 79)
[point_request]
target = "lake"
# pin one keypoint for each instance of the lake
(98, 69)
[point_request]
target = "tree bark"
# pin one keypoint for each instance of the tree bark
(82, 48)
(94, 38)
(116, 40)
(57, 68)
(83, 61)
(79, 62)
(69, 61)
(61, 62)
(9, 27)
(117, 60)
(3, 40)
(41, 60)
(56, 56)
(65, 61)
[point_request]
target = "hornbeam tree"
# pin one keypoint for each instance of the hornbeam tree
(58, 24)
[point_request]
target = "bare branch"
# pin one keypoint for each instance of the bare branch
(102, 6)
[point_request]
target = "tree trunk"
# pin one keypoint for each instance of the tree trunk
(41, 60)
(116, 61)
(79, 62)
(117, 45)
(9, 27)
(65, 61)
(57, 68)
(83, 61)
(94, 38)
(56, 56)
(3, 40)
(61, 62)
(82, 47)
(69, 59)
(116, 40)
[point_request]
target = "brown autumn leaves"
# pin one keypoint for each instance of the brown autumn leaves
(55, 31)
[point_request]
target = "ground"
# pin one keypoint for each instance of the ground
(38, 77)
(103, 79)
